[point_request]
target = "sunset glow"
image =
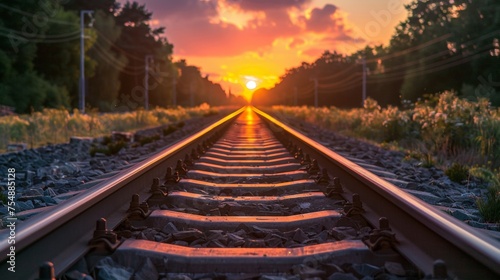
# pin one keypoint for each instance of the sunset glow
(230, 40)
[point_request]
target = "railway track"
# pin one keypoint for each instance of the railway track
(249, 197)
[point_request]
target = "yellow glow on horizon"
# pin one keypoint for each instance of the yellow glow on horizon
(251, 85)
(269, 62)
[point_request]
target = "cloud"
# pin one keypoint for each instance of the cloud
(196, 27)
(267, 5)
(322, 20)
(343, 37)
(182, 10)
(296, 42)
(314, 52)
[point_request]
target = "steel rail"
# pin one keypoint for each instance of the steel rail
(61, 234)
(424, 233)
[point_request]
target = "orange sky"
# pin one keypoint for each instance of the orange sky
(234, 41)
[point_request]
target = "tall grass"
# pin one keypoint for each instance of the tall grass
(445, 126)
(463, 135)
(56, 126)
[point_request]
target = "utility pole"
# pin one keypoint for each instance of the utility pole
(174, 91)
(147, 58)
(82, 58)
(363, 94)
(315, 92)
(295, 96)
(191, 93)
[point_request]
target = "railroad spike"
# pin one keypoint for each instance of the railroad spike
(355, 207)
(181, 168)
(323, 178)
(137, 210)
(46, 271)
(200, 149)
(299, 154)
(156, 190)
(194, 154)
(207, 144)
(382, 238)
(170, 177)
(187, 161)
(336, 190)
(306, 160)
(314, 168)
(103, 239)
(440, 271)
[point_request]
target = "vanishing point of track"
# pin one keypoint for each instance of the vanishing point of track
(251, 195)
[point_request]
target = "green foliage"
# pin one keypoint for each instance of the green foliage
(149, 139)
(3, 198)
(110, 148)
(104, 85)
(169, 130)
(444, 126)
(40, 58)
(457, 172)
(489, 208)
(440, 46)
(428, 160)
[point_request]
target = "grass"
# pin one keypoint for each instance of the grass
(56, 126)
(443, 131)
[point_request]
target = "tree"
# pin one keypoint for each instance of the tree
(22, 30)
(104, 84)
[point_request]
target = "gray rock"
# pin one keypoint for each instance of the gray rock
(254, 243)
(461, 215)
(24, 205)
(147, 271)
(169, 228)
(77, 275)
(188, 235)
(109, 270)
(395, 268)
(365, 269)
(341, 233)
(342, 276)
(49, 200)
(49, 192)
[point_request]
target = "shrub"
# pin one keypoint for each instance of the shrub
(457, 172)
(489, 208)
(57, 125)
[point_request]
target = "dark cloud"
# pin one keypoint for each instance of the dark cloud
(322, 20)
(266, 5)
(194, 27)
(343, 37)
(183, 9)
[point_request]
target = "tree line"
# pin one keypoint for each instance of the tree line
(442, 45)
(40, 58)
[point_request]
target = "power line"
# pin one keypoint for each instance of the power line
(34, 15)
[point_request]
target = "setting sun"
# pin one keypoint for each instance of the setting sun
(251, 84)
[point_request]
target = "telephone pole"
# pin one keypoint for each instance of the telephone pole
(147, 59)
(363, 94)
(82, 59)
(295, 96)
(191, 93)
(174, 91)
(316, 92)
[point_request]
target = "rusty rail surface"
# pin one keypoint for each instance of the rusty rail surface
(245, 168)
